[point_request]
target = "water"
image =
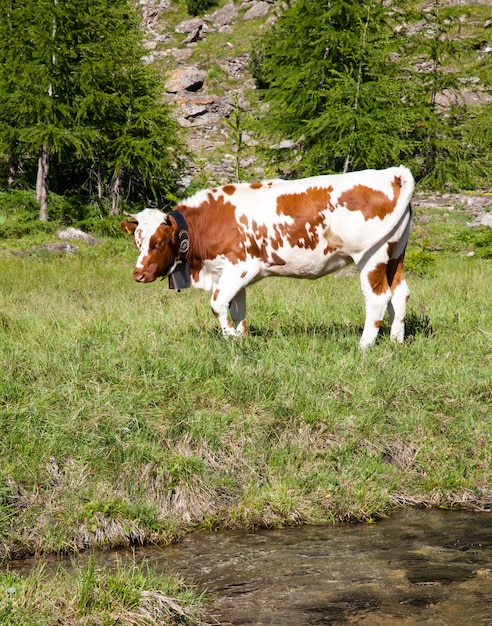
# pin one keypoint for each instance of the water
(418, 567)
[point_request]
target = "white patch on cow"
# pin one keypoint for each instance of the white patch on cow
(148, 222)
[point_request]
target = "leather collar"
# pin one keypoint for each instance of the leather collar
(183, 235)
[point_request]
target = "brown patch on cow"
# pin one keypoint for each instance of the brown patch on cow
(229, 189)
(214, 231)
(378, 279)
(391, 248)
(260, 230)
(276, 260)
(256, 241)
(394, 271)
(254, 249)
(128, 227)
(369, 202)
(377, 324)
(306, 209)
(244, 274)
(256, 185)
(216, 294)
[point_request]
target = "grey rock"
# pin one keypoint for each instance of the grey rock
(482, 219)
(224, 16)
(258, 10)
(286, 144)
(76, 233)
(189, 26)
(186, 78)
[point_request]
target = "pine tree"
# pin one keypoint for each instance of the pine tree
(448, 152)
(331, 85)
(362, 84)
(75, 93)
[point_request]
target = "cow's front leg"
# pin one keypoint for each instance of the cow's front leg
(229, 296)
(237, 310)
(221, 304)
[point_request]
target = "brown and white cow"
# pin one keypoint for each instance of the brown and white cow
(307, 228)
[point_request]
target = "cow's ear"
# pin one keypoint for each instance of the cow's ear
(129, 227)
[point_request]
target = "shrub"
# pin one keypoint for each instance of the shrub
(480, 239)
(196, 7)
(420, 262)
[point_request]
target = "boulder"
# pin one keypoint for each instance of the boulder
(189, 26)
(482, 219)
(76, 233)
(258, 10)
(186, 78)
(201, 110)
(224, 16)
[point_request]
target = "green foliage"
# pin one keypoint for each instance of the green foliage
(72, 78)
(420, 262)
(356, 86)
(103, 226)
(331, 85)
(479, 239)
(19, 213)
(198, 7)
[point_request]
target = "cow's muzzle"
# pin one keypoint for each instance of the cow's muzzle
(147, 275)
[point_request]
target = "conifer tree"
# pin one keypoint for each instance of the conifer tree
(362, 84)
(76, 95)
(448, 152)
(331, 85)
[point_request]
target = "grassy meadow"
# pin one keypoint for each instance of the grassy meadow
(126, 418)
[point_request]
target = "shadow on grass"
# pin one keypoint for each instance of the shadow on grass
(415, 325)
(331, 330)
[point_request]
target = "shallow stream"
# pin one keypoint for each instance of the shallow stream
(417, 567)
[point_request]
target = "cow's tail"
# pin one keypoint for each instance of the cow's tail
(403, 209)
(407, 184)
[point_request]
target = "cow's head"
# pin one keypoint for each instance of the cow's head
(156, 240)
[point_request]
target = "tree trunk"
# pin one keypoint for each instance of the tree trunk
(42, 182)
(116, 192)
(13, 165)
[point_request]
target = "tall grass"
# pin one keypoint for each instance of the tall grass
(86, 594)
(126, 417)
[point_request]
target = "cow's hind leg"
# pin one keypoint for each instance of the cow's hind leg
(399, 298)
(377, 294)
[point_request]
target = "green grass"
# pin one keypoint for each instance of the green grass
(126, 417)
(86, 594)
